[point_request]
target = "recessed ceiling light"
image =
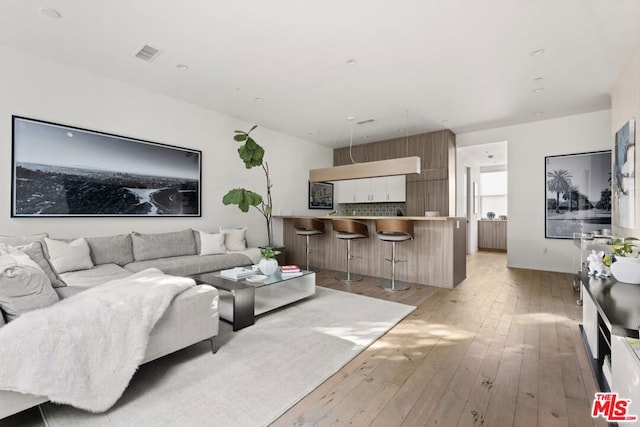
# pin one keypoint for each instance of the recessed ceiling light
(70, 134)
(350, 118)
(364, 137)
(182, 67)
(401, 130)
(538, 79)
(51, 13)
(351, 61)
(445, 121)
(258, 99)
(538, 90)
(537, 52)
(538, 113)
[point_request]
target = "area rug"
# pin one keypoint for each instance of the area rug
(258, 372)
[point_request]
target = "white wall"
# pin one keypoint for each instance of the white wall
(625, 105)
(462, 161)
(528, 145)
(46, 90)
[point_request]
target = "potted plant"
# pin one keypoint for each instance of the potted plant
(268, 263)
(252, 154)
(626, 268)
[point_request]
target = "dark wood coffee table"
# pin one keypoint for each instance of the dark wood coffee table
(241, 301)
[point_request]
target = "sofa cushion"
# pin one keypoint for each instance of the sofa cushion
(163, 245)
(69, 256)
(235, 239)
(23, 285)
(211, 243)
(94, 276)
(36, 252)
(191, 264)
(111, 249)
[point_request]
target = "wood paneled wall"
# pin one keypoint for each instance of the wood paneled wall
(431, 190)
(436, 257)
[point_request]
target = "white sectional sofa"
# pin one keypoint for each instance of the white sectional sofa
(192, 316)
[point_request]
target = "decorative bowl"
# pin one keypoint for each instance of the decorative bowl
(256, 278)
(627, 270)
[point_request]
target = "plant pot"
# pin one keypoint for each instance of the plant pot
(268, 266)
(626, 270)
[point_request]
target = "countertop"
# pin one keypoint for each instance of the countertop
(617, 302)
(407, 218)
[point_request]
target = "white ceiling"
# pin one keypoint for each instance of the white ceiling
(485, 155)
(428, 64)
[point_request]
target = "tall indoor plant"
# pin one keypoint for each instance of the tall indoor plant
(252, 154)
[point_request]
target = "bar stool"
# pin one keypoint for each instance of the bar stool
(349, 230)
(308, 227)
(394, 230)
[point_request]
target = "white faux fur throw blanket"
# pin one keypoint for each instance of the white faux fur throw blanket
(83, 350)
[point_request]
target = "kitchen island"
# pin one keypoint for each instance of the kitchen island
(436, 257)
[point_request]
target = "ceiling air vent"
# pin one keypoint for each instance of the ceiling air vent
(365, 122)
(147, 53)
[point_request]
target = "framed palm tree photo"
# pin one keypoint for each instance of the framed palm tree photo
(578, 194)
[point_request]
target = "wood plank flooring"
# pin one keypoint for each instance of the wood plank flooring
(501, 349)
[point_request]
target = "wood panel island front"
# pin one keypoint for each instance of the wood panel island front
(436, 257)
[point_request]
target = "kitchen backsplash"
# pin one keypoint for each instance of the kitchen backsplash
(371, 209)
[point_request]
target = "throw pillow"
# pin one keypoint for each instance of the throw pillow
(235, 239)
(23, 285)
(111, 249)
(212, 243)
(163, 245)
(70, 256)
(23, 240)
(36, 253)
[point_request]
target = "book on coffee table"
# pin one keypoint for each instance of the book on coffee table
(237, 273)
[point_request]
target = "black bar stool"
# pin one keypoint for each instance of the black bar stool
(394, 230)
(349, 230)
(308, 227)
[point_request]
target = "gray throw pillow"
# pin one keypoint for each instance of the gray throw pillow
(111, 249)
(23, 286)
(23, 240)
(163, 245)
(36, 253)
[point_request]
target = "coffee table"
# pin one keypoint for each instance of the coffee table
(241, 301)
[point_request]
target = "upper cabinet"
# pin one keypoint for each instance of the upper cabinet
(371, 190)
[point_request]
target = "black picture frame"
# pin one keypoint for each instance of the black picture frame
(577, 194)
(67, 171)
(320, 195)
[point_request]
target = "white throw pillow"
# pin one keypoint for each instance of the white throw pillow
(235, 239)
(70, 256)
(212, 243)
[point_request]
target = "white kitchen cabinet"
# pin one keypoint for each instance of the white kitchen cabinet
(625, 370)
(590, 322)
(346, 191)
(372, 190)
(396, 188)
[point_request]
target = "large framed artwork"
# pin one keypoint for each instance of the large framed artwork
(624, 175)
(66, 171)
(578, 194)
(320, 195)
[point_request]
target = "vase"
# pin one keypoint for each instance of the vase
(626, 270)
(268, 266)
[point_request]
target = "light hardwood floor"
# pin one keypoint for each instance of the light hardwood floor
(501, 349)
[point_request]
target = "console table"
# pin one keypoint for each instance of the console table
(610, 316)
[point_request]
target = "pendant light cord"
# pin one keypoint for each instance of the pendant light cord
(351, 141)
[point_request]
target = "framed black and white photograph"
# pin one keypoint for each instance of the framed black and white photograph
(578, 194)
(320, 195)
(66, 171)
